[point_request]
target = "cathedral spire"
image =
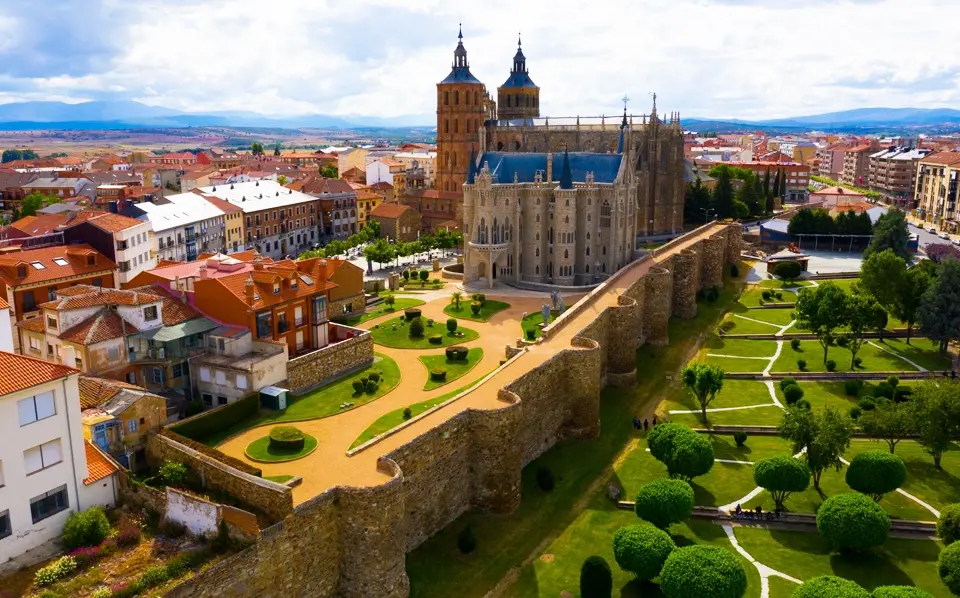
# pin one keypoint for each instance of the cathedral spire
(566, 176)
(472, 172)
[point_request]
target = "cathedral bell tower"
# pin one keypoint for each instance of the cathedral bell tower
(461, 101)
(519, 96)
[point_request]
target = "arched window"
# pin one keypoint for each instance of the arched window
(588, 267)
(605, 214)
(466, 99)
(588, 252)
(456, 97)
(456, 125)
(550, 236)
(604, 250)
(481, 231)
(508, 102)
(538, 252)
(566, 219)
(538, 270)
(589, 217)
(588, 235)
(538, 217)
(499, 146)
(516, 146)
(566, 204)
(446, 98)
(496, 232)
(476, 98)
(454, 156)
(538, 201)
(566, 254)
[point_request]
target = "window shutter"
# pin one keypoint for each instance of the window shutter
(51, 453)
(45, 405)
(27, 412)
(32, 460)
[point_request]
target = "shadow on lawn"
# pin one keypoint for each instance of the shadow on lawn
(945, 482)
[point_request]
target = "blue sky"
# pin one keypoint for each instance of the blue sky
(720, 58)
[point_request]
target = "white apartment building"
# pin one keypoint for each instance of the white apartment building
(47, 471)
(184, 225)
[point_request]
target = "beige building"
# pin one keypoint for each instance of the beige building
(936, 189)
(234, 365)
(355, 157)
(893, 171)
(856, 166)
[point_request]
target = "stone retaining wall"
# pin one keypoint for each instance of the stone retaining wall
(352, 542)
(333, 361)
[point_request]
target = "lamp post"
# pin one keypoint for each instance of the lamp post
(706, 214)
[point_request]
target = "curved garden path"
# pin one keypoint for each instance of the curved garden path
(329, 465)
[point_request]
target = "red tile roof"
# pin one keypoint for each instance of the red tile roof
(74, 255)
(382, 186)
(102, 326)
(390, 210)
(943, 158)
(113, 223)
(33, 325)
(96, 391)
(96, 296)
(98, 465)
(174, 311)
(319, 185)
(21, 372)
(221, 204)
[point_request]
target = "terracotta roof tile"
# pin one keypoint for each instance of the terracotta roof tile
(21, 372)
(33, 325)
(113, 223)
(74, 255)
(102, 326)
(96, 296)
(390, 210)
(95, 391)
(943, 158)
(98, 465)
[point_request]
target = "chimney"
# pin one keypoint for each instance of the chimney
(257, 262)
(68, 356)
(322, 275)
(203, 271)
(248, 287)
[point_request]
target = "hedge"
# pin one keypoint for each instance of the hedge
(853, 522)
(212, 453)
(701, 571)
(286, 438)
(212, 421)
(876, 473)
(830, 586)
(664, 502)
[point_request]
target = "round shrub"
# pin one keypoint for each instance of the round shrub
(438, 374)
(701, 571)
(899, 592)
(949, 567)
(781, 476)
(831, 365)
(596, 579)
(480, 298)
(830, 586)
(411, 313)
(451, 324)
(475, 308)
(375, 376)
(804, 404)
(857, 362)
(407, 414)
(390, 300)
(661, 439)
(948, 525)
(867, 404)
(801, 364)
(466, 541)
(795, 344)
(416, 328)
(286, 438)
(89, 528)
(851, 388)
(792, 393)
(883, 389)
(855, 412)
(875, 473)
(853, 522)
(767, 295)
(642, 550)
(740, 438)
(371, 387)
(545, 479)
(451, 353)
(664, 502)
(692, 456)
(173, 473)
(531, 334)
(436, 339)
(843, 341)
(788, 270)
(785, 382)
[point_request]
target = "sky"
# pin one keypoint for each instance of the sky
(747, 59)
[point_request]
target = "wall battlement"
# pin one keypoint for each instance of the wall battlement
(352, 542)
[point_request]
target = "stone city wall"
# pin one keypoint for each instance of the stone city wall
(711, 263)
(357, 304)
(352, 542)
(734, 235)
(686, 270)
(333, 361)
(638, 292)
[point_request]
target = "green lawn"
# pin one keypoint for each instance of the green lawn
(752, 296)
(780, 587)
(437, 569)
(922, 351)
(532, 322)
(936, 487)
(736, 325)
(730, 364)
(322, 402)
(260, 450)
(805, 555)
(735, 393)
(384, 334)
(490, 307)
(779, 317)
(784, 284)
(874, 360)
(761, 416)
(280, 479)
(381, 310)
(740, 347)
(395, 418)
(455, 368)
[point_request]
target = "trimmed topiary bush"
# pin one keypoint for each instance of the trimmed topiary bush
(851, 388)
(867, 404)
(375, 376)
(899, 592)
(286, 438)
(642, 550)
(371, 387)
(857, 362)
(948, 566)
(853, 522)
(358, 385)
(785, 382)
(781, 476)
(948, 525)
(801, 364)
(466, 541)
(545, 479)
(88, 528)
(843, 341)
(831, 365)
(883, 389)
(451, 324)
(788, 270)
(740, 438)
(701, 571)
(411, 313)
(767, 295)
(664, 502)
(876, 473)
(792, 393)
(436, 339)
(804, 404)
(531, 334)
(475, 308)
(407, 413)
(438, 374)
(416, 328)
(855, 412)
(795, 344)
(660, 439)
(692, 456)
(830, 586)
(596, 579)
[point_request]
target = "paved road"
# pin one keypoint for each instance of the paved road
(925, 237)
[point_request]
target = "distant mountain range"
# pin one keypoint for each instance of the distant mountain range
(131, 114)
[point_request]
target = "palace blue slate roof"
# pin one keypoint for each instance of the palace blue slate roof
(503, 165)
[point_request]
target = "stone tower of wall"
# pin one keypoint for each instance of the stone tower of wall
(686, 271)
(658, 305)
(638, 292)
(622, 336)
(497, 458)
(584, 379)
(712, 258)
(734, 243)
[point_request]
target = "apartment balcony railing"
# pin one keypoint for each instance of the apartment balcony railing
(283, 327)
(190, 237)
(299, 322)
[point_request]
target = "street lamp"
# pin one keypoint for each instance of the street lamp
(706, 213)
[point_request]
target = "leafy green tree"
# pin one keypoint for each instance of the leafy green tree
(704, 382)
(723, 195)
(282, 180)
(892, 422)
(767, 192)
(853, 522)
(948, 524)
(876, 473)
(910, 295)
(381, 252)
(899, 592)
(861, 314)
(88, 528)
(936, 415)
(329, 172)
(749, 196)
(830, 586)
(822, 310)
(775, 191)
(276, 149)
(34, 201)
(455, 298)
(256, 148)
(881, 275)
(939, 313)
(642, 550)
(781, 476)
(890, 232)
(948, 565)
(701, 571)
(692, 456)
(824, 436)
(789, 270)
(664, 502)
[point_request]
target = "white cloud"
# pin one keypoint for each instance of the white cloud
(718, 58)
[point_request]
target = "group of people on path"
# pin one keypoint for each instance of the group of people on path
(643, 425)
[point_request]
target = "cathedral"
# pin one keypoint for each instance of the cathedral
(555, 201)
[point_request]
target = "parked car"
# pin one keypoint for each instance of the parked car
(932, 230)
(944, 236)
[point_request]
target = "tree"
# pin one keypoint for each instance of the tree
(910, 294)
(948, 565)
(749, 195)
(939, 312)
(642, 550)
(256, 148)
(276, 149)
(416, 327)
(882, 275)
(890, 232)
(380, 251)
(899, 592)
(685, 453)
(938, 252)
(948, 524)
(775, 191)
(661, 438)
(701, 571)
(788, 270)
(767, 192)
(723, 195)
(830, 586)
(821, 311)
(781, 476)
(892, 422)
(824, 436)
(34, 201)
(455, 298)
(696, 202)
(862, 312)
(935, 410)
(282, 180)
(879, 321)
(329, 172)
(664, 502)
(853, 522)
(876, 473)
(596, 579)
(792, 393)
(704, 382)
(390, 300)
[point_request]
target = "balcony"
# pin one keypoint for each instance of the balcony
(282, 327)
(191, 237)
(488, 246)
(299, 322)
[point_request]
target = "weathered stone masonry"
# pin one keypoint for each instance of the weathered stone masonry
(352, 542)
(333, 361)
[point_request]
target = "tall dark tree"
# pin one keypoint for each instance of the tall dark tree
(749, 197)
(890, 232)
(939, 314)
(910, 295)
(766, 185)
(723, 195)
(697, 202)
(775, 192)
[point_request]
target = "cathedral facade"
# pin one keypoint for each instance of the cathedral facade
(557, 201)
